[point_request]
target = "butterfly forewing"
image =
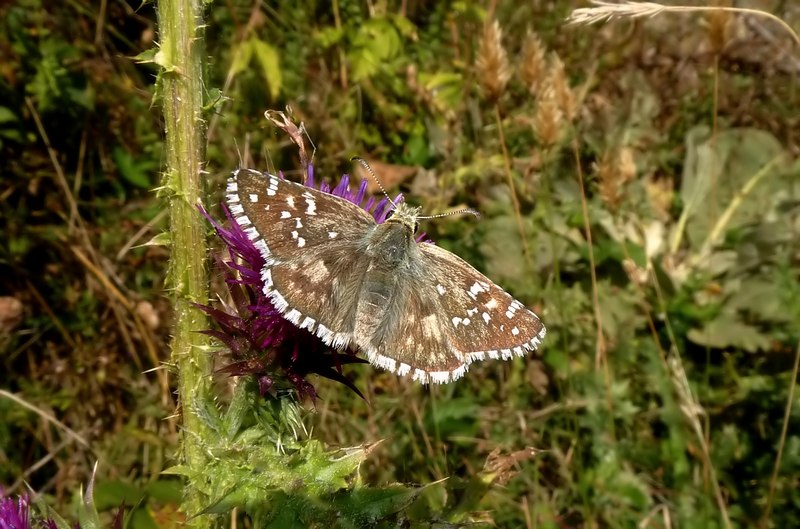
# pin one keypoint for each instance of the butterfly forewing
(313, 260)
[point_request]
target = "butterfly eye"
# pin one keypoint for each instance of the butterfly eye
(390, 214)
(416, 227)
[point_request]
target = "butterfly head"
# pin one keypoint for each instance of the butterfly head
(405, 215)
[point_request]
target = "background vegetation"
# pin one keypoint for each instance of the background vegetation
(640, 191)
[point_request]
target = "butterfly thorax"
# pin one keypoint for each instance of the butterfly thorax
(392, 243)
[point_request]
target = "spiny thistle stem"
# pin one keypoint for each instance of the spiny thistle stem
(181, 58)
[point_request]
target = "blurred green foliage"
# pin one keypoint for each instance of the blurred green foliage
(693, 201)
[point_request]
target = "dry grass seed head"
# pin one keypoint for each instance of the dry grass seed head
(660, 194)
(492, 64)
(563, 93)
(719, 29)
(548, 121)
(614, 171)
(533, 64)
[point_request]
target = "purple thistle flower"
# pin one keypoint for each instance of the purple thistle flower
(15, 513)
(260, 340)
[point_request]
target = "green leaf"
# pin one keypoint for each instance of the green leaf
(727, 330)
(242, 57)
(160, 239)
(367, 506)
(268, 59)
(146, 57)
(87, 510)
(447, 89)
(110, 494)
(329, 36)
(137, 172)
(719, 167)
(6, 116)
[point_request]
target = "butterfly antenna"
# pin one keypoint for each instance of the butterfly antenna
(366, 166)
(456, 212)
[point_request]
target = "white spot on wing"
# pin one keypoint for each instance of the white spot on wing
(285, 214)
(332, 234)
(476, 288)
(440, 289)
(290, 201)
(486, 317)
(312, 206)
(456, 321)
(301, 242)
(515, 331)
(253, 197)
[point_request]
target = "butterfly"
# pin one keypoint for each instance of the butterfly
(411, 307)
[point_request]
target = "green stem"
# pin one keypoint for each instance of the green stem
(181, 82)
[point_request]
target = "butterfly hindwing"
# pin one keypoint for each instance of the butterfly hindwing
(412, 340)
(447, 315)
(480, 319)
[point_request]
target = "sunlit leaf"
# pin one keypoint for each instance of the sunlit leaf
(269, 62)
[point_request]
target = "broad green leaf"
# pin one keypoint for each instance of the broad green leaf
(329, 36)
(110, 494)
(6, 116)
(138, 172)
(269, 61)
(447, 88)
(728, 330)
(718, 167)
(242, 57)
(366, 506)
